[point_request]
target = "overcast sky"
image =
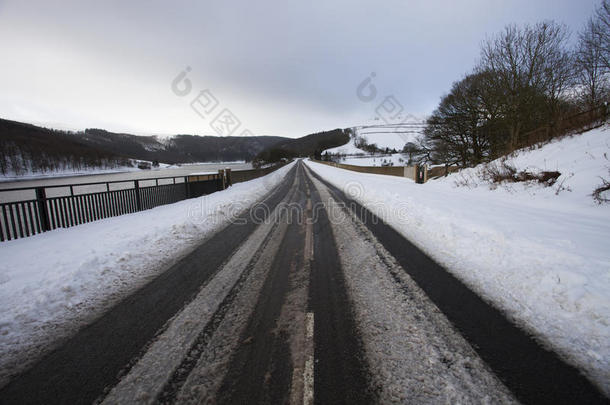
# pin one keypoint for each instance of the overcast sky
(284, 68)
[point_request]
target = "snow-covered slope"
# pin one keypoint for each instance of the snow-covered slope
(541, 254)
(352, 155)
(391, 132)
(347, 149)
(77, 273)
(388, 136)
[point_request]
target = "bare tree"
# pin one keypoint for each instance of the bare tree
(601, 27)
(463, 127)
(590, 70)
(530, 68)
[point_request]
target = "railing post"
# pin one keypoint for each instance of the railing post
(229, 180)
(43, 211)
(137, 190)
(187, 188)
(221, 174)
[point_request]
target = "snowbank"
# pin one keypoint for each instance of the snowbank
(541, 257)
(53, 283)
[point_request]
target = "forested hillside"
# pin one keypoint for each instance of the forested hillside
(308, 145)
(180, 148)
(28, 148)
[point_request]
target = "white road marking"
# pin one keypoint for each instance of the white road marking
(309, 325)
(309, 363)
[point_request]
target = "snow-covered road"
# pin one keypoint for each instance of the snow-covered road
(302, 298)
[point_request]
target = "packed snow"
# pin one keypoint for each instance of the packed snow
(53, 283)
(538, 253)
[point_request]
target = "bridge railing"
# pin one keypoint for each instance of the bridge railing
(27, 211)
(41, 209)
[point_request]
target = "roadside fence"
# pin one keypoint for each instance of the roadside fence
(27, 211)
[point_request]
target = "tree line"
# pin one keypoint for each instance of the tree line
(26, 148)
(527, 77)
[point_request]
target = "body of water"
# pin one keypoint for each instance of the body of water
(126, 177)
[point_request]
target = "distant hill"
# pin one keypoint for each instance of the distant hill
(308, 145)
(41, 149)
(179, 148)
(28, 148)
(25, 147)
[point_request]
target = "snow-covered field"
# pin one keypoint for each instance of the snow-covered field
(387, 136)
(360, 157)
(539, 254)
(382, 134)
(391, 132)
(53, 283)
(382, 140)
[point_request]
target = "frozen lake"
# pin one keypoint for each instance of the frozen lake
(128, 177)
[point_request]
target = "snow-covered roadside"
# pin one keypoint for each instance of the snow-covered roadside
(540, 257)
(53, 283)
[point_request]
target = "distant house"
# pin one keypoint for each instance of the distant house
(144, 165)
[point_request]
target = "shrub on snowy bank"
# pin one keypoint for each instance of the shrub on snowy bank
(570, 164)
(601, 194)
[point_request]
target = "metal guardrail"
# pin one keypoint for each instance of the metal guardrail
(80, 203)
